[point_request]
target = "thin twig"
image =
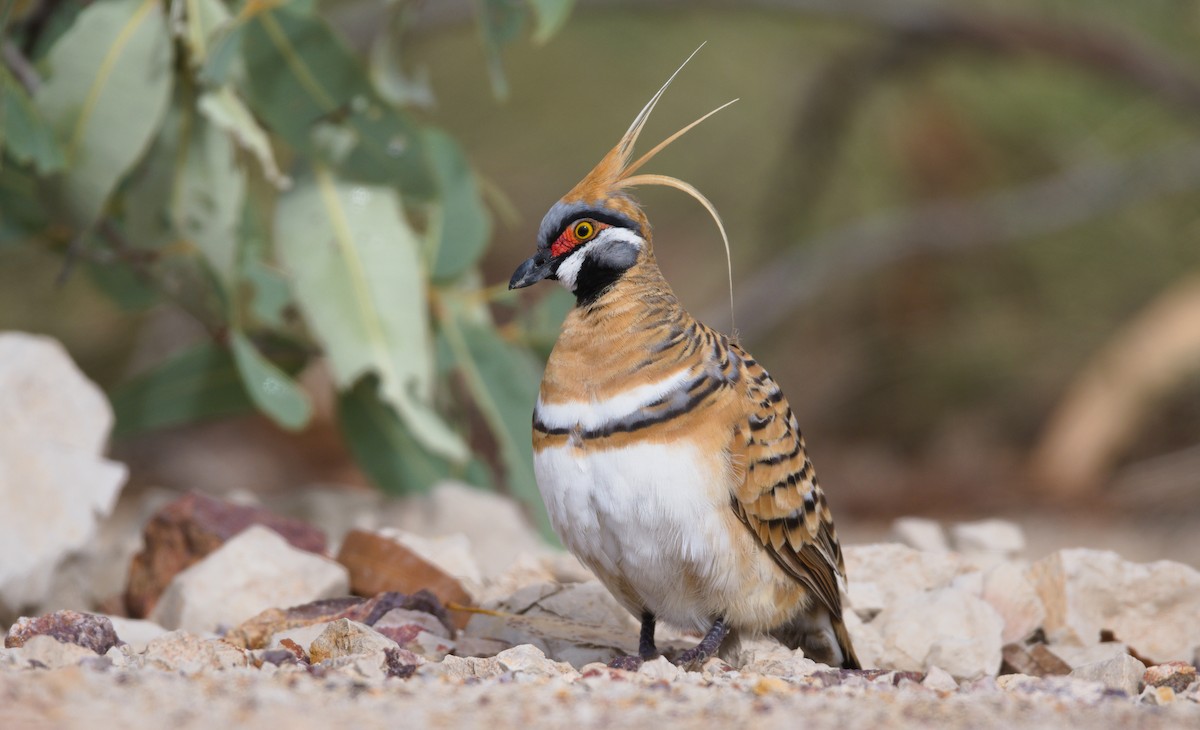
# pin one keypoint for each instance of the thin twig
(800, 275)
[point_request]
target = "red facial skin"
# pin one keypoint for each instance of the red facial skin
(567, 240)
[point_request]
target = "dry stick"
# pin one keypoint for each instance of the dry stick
(1080, 194)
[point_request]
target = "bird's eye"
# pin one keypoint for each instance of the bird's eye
(584, 230)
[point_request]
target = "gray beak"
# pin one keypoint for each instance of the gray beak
(534, 269)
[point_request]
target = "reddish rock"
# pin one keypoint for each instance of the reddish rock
(70, 627)
(256, 633)
(378, 564)
(1176, 675)
(190, 528)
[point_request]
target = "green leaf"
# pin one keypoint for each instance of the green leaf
(24, 215)
(270, 388)
(23, 131)
(149, 187)
(206, 202)
(203, 25)
(462, 224)
(301, 78)
(382, 445)
(357, 274)
(225, 109)
(121, 283)
(108, 85)
(223, 61)
(549, 16)
(500, 22)
(271, 293)
(202, 382)
(503, 381)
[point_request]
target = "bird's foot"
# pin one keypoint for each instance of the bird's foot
(693, 658)
(628, 662)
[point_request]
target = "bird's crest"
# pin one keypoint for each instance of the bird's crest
(605, 184)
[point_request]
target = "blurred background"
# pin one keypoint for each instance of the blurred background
(966, 236)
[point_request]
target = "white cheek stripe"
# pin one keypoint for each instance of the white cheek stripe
(568, 270)
(594, 414)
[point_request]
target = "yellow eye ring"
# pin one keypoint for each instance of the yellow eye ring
(584, 230)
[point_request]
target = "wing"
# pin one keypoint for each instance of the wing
(779, 497)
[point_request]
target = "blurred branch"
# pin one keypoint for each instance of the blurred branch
(802, 274)
(1107, 404)
(1169, 481)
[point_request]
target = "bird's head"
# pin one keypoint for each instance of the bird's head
(597, 231)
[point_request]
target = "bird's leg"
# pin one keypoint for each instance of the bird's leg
(707, 646)
(646, 647)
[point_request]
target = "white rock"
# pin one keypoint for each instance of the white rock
(868, 644)
(1077, 656)
(1008, 589)
(180, 651)
(529, 661)
(417, 632)
(898, 571)
(999, 537)
(344, 638)
(660, 669)
(1151, 607)
(499, 530)
(54, 483)
(920, 533)
(46, 652)
(136, 632)
(255, 570)
(947, 628)
(939, 679)
(303, 636)
(1122, 672)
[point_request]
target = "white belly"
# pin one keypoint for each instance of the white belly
(646, 515)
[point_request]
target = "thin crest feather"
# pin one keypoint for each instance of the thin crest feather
(615, 172)
(689, 189)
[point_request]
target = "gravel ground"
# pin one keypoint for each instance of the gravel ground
(77, 697)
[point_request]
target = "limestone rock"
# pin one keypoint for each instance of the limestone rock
(898, 571)
(1077, 656)
(1122, 673)
(137, 633)
(43, 651)
(1008, 589)
(451, 553)
(88, 630)
(920, 533)
(256, 632)
(947, 628)
(54, 482)
(1035, 661)
(344, 637)
(180, 651)
(1151, 607)
(379, 564)
(254, 571)
(499, 531)
(529, 661)
(188, 529)
(939, 679)
(999, 538)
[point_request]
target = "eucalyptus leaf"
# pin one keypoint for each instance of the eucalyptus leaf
(271, 294)
(503, 381)
(205, 20)
(358, 278)
(275, 394)
(206, 202)
(202, 382)
(122, 284)
(463, 225)
(542, 321)
(383, 446)
(108, 84)
(301, 78)
(23, 131)
(500, 22)
(549, 16)
(223, 57)
(226, 109)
